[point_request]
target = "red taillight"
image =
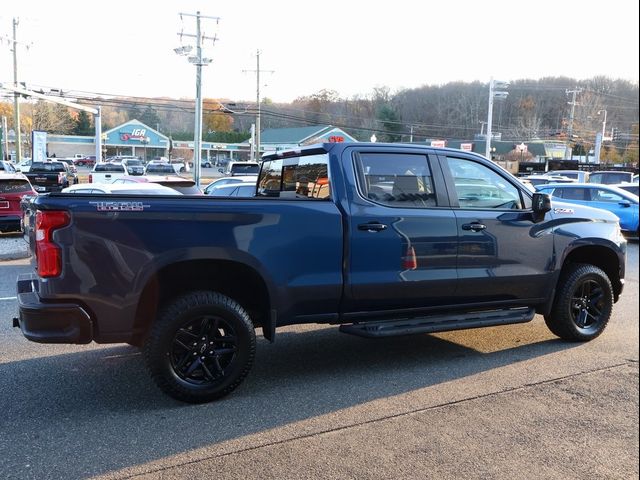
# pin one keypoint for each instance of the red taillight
(90, 178)
(48, 254)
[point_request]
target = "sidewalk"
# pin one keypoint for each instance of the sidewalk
(13, 246)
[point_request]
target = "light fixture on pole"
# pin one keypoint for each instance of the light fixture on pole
(493, 84)
(374, 139)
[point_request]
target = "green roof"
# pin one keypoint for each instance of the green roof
(291, 135)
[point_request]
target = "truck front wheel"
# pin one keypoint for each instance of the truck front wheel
(201, 347)
(583, 303)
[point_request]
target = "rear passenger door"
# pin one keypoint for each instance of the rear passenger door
(501, 257)
(402, 238)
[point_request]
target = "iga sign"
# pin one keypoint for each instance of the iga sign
(138, 134)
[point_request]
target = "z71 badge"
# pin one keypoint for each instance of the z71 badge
(119, 206)
(563, 210)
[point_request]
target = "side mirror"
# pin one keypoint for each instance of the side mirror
(541, 205)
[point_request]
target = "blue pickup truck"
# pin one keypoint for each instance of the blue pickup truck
(381, 239)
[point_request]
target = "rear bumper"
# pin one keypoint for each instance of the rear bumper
(50, 322)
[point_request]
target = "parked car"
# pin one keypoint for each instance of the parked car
(13, 187)
(610, 177)
(7, 167)
(242, 189)
(577, 175)
(70, 164)
(24, 166)
(206, 163)
(191, 278)
(50, 176)
(106, 172)
(185, 186)
(607, 197)
(134, 166)
(241, 168)
(86, 161)
(536, 180)
(218, 182)
(122, 189)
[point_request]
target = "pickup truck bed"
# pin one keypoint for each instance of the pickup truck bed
(380, 239)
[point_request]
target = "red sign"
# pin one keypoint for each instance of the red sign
(336, 139)
(438, 143)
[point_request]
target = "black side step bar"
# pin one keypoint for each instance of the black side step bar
(439, 323)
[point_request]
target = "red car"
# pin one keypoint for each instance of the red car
(13, 186)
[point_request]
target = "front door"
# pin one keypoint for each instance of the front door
(501, 256)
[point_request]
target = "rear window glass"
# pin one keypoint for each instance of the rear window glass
(47, 167)
(108, 167)
(304, 177)
(14, 186)
(244, 169)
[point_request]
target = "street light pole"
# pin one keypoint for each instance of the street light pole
(604, 122)
(497, 94)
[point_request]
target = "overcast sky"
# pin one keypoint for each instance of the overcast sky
(126, 47)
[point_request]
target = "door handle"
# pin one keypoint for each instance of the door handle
(372, 227)
(475, 226)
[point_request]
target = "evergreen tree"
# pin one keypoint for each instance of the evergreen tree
(83, 124)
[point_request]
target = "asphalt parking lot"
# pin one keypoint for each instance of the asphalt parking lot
(507, 402)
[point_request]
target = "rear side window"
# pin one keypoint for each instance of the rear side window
(303, 178)
(14, 186)
(570, 193)
(396, 179)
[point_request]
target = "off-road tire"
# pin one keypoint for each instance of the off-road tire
(201, 347)
(583, 303)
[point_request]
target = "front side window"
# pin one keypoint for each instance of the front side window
(305, 177)
(478, 186)
(602, 195)
(396, 179)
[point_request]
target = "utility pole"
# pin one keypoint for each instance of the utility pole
(567, 152)
(16, 96)
(257, 72)
(199, 62)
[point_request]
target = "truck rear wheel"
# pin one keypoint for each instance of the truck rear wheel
(583, 304)
(201, 347)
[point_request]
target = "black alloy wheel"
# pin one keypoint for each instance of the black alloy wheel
(583, 303)
(201, 347)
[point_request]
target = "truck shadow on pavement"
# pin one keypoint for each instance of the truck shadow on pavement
(99, 410)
